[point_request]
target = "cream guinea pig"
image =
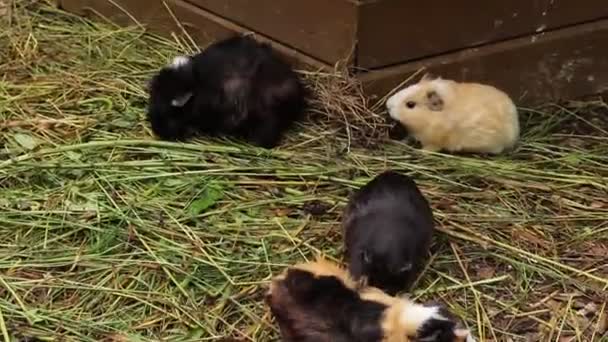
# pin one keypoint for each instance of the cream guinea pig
(455, 116)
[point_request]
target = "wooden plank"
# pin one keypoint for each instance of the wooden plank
(153, 15)
(324, 29)
(553, 66)
(202, 26)
(396, 31)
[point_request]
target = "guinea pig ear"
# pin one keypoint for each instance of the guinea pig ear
(434, 101)
(426, 77)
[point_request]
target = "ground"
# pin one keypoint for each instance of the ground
(110, 235)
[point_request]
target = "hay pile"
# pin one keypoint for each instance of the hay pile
(107, 234)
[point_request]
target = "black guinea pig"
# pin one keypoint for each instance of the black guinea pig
(236, 87)
(388, 225)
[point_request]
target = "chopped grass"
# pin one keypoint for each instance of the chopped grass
(109, 234)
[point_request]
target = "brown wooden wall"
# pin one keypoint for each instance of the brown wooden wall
(536, 50)
(324, 29)
(561, 64)
(159, 16)
(393, 31)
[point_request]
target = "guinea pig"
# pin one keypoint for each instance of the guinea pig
(236, 87)
(447, 115)
(319, 301)
(387, 226)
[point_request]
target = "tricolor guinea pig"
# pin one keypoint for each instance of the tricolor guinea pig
(447, 115)
(388, 226)
(318, 301)
(236, 87)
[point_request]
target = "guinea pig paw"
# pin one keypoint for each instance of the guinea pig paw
(431, 148)
(179, 61)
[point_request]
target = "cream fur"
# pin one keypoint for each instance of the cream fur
(413, 316)
(324, 267)
(475, 117)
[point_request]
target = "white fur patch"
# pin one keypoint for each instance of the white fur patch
(181, 100)
(179, 61)
(416, 315)
(397, 98)
(395, 102)
(441, 86)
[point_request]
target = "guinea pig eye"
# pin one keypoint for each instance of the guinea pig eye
(410, 104)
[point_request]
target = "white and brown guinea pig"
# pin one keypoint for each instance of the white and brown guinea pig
(236, 87)
(452, 116)
(318, 301)
(388, 226)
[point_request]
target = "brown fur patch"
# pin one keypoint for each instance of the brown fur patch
(434, 101)
(323, 267)
(290, 318)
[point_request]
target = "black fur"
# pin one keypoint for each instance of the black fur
(322, 309)
(240, 88)
(387, 224)
(437, 330)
